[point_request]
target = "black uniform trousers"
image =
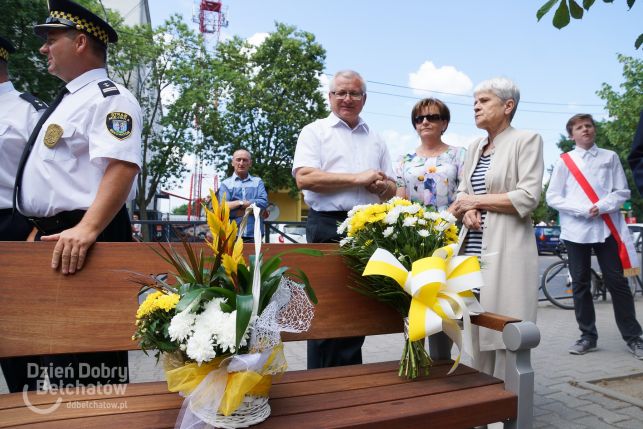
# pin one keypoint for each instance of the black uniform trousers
(580, 255)
(13, 226)
(75, 369)
(321, 227)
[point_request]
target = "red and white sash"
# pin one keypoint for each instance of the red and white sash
(614, 221)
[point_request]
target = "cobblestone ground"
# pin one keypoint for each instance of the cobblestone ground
(559, 402)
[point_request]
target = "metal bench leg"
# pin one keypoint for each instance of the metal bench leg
(519, 338)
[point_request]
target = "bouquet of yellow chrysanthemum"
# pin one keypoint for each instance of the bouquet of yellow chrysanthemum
(218, 325)
(412, 247)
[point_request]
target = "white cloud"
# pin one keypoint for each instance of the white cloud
(257, 38)
(443, 79)
(399, 143)
(324, 88)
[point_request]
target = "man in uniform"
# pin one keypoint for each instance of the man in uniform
(19, 114)
(83, 159)
(339, 163)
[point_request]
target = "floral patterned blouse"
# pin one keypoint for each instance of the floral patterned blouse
(432, 181)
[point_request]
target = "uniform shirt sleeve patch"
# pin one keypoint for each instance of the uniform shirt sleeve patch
(119, 124)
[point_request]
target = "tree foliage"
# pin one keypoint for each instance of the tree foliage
(568, 9)
(27, 67)
(624, 109)
(167, 69)
(267, 93)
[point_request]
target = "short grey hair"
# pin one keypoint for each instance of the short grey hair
(503, 88)
(348, 74)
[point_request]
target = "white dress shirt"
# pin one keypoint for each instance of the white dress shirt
(17, 118)
(331, 145)
(67, 176)
(604, 172)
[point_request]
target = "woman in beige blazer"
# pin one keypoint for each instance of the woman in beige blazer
(501, 188)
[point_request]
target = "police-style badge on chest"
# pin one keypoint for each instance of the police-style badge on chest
(52, 135)
(119, 124)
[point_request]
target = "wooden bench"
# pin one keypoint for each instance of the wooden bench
(45, 312)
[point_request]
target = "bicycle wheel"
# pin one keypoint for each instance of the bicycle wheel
(598, 287)
(557, 286)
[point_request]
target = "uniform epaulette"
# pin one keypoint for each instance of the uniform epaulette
(108, 88)
(36, 103)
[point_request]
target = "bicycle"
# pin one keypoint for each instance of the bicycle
(556, 283)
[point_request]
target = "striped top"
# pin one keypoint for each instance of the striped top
(473, 240)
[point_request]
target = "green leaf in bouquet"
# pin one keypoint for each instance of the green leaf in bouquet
(219, 292)
(269, 266)
(188, 298)
(243, 275)
(301, 251)
(244, 313)
(268, 289)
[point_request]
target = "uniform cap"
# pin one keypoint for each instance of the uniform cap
(6, 48)
(65, 14)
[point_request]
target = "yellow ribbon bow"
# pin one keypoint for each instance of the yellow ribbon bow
(440, 287)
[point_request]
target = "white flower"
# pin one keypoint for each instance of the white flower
(442, 226)
(423, 233)
(412, 209)
(447, 216)
(388, 231)
(391, 217)
(421, 222)
(409, 221)
(342, 227)
(345, 241)
(181, 325)
(200, 346)
(431, 216)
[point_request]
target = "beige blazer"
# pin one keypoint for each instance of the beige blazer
(509, 255)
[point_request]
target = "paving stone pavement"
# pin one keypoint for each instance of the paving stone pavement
(558, 402)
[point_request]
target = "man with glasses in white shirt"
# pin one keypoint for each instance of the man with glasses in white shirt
(339, 163)
(588, 188)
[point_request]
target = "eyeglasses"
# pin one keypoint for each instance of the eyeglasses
(341, 95)
(433, 117)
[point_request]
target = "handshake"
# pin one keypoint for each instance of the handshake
(377, 183)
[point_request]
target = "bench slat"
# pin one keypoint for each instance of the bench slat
(369, 396)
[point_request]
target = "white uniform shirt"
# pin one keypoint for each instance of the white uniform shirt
(18, 118)
(330, 145)
(604, 172)
(95, 130)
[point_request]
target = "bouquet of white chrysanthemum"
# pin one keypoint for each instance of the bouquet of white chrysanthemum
(218, 326)
(402, 254)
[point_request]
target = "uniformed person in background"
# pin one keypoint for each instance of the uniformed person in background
(83, 162)
(19, 114)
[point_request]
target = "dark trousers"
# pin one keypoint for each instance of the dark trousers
(76, 368)
(321, 227)
(13, 226)
(580, 255)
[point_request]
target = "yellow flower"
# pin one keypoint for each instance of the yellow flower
(157, 301)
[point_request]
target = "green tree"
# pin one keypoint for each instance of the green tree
(568, 9)
(27, 67)
(624, 109)
(267, 94)
(167, 69)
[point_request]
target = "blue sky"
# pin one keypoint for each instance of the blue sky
(450, 46)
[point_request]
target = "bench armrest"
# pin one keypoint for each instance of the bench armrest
(493, 321)
(520, 338)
